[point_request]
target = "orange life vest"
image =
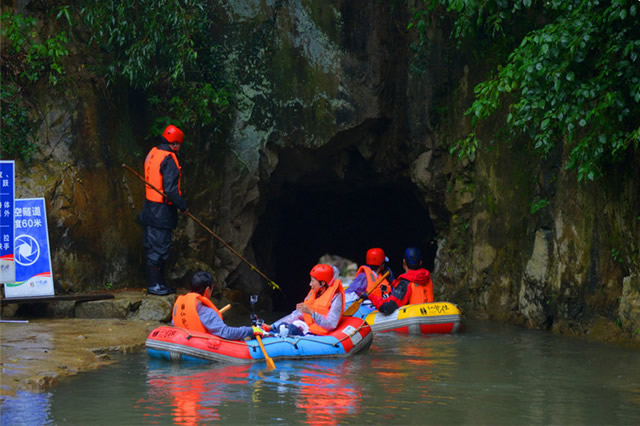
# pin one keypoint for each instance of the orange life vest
(185, 314)
(322, 305)
(371, 280)
(421, 293)
(154, 177)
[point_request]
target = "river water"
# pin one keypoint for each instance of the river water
(488, 374)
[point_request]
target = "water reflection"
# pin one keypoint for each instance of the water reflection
(326, 395)
(29, 408)
(319, 390)
(192, 395)
(487, 375)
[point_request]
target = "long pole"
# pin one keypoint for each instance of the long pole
(253, 268)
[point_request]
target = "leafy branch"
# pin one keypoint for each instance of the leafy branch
(27, 59)
(575, 79)
(165, 49)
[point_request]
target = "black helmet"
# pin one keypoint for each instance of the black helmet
(200, 281)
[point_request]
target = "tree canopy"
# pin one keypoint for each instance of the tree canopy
(569, 72)
(166, 48)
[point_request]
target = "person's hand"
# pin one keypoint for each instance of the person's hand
(185, 211)
(364, 296)
(304, 308)
(257, 331)
(266, 327)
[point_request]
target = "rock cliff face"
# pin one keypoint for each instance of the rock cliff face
(336, 146)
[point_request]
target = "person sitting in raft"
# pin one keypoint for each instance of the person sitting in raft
(414, 286)
(321, 310)
(366, 276)
(195, 311)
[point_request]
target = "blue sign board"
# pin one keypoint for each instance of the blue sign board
(7, 195)
(31, 254)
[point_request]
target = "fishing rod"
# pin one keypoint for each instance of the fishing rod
(253, 268)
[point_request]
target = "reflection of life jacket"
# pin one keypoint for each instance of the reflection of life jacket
(327, 395)
(322, 305)
(185, 313)
(152, 174)
(371, 280)
(422, 287)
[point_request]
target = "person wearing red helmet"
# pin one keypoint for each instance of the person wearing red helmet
(366, 276)
(414, 286)
(321, 310)
(159, 216)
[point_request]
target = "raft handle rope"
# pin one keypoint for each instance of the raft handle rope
(352, 334)
(253, 268)
(297, 339)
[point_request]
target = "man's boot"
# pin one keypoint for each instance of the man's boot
(155, 282)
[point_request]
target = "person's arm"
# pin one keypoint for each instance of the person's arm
(379, 300)
(400, 295)
(376, 300)
(216, 326)
(330, 322)
(358, 285)
(170, 180)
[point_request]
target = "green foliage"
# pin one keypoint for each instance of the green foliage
(573, 78)
(31, 59)
(539, 204)
(167, 50)
(27, 59)
(616, 255)
(16, 126)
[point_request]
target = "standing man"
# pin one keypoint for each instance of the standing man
(159, 215)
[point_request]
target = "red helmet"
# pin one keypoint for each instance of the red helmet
(322, 272)
(172, 134)
(375, 257)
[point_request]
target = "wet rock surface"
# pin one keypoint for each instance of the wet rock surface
(35, 355)
(51, 340)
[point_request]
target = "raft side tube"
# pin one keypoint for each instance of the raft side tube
(177, 344)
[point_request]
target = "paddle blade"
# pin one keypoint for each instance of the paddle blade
(353, 308)
(270, 364)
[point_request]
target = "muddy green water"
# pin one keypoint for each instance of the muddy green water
(489, 374)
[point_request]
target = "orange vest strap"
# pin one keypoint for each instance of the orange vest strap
(152, 174)
(185, 312)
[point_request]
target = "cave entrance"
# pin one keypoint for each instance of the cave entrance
(305, 222)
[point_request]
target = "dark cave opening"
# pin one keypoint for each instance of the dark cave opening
(307, 221)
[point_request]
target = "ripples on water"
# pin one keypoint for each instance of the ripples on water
(490, 374)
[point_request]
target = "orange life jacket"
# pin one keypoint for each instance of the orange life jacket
(154, 177)
(421, 293)
(322, 305)
(185, 314)
(371, 280)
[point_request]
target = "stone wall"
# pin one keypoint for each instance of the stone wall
(319, 84)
